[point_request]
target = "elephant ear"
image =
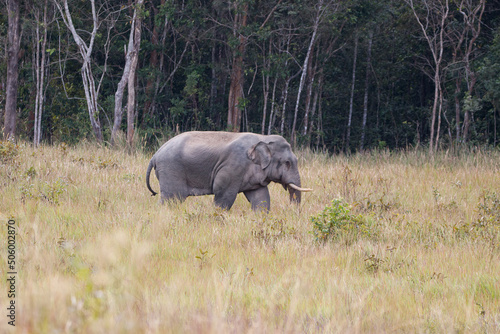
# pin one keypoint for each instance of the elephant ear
(260, 154)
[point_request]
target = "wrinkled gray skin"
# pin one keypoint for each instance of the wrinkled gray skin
(224, 164)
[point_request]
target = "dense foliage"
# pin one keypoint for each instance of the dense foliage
(361, 58)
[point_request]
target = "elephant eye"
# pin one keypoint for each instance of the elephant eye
(288, 164)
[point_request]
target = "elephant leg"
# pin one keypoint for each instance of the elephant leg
(225, 199)
(225, 189)
(171, 189)
(165, 196)
(259, 198)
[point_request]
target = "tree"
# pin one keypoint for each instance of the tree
(321, 8)
(432, 17)
(236, 86)
(351, 100)
(240, 23)
(85, 50)
(14, 36)
(128, 77)
(472, 13)
(367, 86)
(40, 51)
(489, 74)
(462, 35)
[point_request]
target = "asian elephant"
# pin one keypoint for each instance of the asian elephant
(225, 164)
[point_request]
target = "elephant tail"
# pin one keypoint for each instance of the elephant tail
(148, 173)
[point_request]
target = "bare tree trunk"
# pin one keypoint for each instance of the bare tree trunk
(434, 109)
(213, 83)
(304, 67)
(284, 97)
(317, 94)
(351, 100)
(265, 88)
(284, 92)
(457, 109)
(236, 86)
(495, 125)
(310, 84)
(440, 110)
(158, 89)
(129, 60)
(37, 74)
(472, 18)
(434, 22)
(153, 63)
(367, 86)
(118, 114)
(235, 93)
(14, 37)
(273, 109)
(91, 93)
(131, 80)
(40, 75)
(320, 120)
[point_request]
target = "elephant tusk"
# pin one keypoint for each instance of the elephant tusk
(291, 185)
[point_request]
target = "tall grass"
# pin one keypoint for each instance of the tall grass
(98, 254)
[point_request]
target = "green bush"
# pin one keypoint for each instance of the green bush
(489, 210)
(48, 191)
(8, 150)
(336, 222)
(487, 226)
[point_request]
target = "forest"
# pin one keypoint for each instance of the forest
(332, 75)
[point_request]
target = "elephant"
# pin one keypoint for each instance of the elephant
(224, 164)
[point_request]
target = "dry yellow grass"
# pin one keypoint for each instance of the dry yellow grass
(97, 254)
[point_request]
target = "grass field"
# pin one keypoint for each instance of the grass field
(95, 253)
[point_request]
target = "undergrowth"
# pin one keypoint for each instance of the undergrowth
(337, 223)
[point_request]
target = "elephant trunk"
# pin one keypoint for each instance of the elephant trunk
(295, 195)
(294, 188)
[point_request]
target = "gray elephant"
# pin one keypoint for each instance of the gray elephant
(225, 164)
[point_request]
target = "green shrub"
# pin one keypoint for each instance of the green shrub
(489, 210)
(487, 226)
(8, 150)
(336, 222)
(48, 191)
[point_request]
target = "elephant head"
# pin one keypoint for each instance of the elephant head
(279, 164)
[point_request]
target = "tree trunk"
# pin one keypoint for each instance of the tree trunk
(154, 66)
(351, 100)
(91, 94)
(236, 86)
(129, 59)
(367, 86)
(440, 110)
(317, 94)
(284, 92)
(457, 109)
(118, 114)
(434, 108)
(131, 80)
(284, 97)
(265, 88)
(213, 83)
(273, 107)
(40, 75)
(320, 121)
(495, 125)
(435, 23)
(304, 68)
(14, 38)
(473, 22)
(310, 84)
